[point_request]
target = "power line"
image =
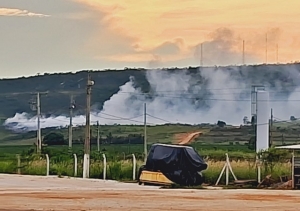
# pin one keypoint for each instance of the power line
(117, 118)
(122, 118)
(159, 118)
(227, 88)
(242, 91)
(200, 98)
(282, 121)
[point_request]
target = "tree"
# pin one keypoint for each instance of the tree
(221, 123)
(54, 139)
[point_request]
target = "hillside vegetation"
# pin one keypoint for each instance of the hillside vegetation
(17, 93)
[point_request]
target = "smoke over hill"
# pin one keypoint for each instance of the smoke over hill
(204, 95)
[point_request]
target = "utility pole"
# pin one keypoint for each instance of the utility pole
(39, 135)
(277, 53)
(271, 116)
(145, 132)
(72, 106)
(266, 48)
(98, 136)
(87, 147)
(243, 52)
(271, 126)
(36, 106)
(201, 58)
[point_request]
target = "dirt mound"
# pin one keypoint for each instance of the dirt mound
(186, 138)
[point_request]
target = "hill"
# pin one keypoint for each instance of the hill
(17, 93)
(196, 94)
(190, 96)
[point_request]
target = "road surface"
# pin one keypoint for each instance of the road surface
(24, 193)
(187, 138)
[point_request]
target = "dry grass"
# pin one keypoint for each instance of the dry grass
(123, 170)
(244, 170)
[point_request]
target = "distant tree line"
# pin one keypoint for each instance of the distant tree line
(59, 139)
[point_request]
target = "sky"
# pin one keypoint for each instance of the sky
(39, 36)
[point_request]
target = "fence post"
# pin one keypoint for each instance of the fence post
(48, 164)
(124, 155)
(75, 165)
(84, 166)
(104, 166)
(19, 163)
(134, 167)
(258, 165)
(227, 169)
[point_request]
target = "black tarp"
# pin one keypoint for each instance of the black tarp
(180, 164)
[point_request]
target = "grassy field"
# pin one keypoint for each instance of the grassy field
(212, 146)
(282, 133)
(120, 167)
(119, 160)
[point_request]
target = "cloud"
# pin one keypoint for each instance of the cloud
(139, 21)
(128, 57)
(169, 47)
(154, 57)
(18, 12)
(94, 34)
(223, 48)
(155, 62)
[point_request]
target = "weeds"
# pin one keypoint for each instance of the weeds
(120, 165)
(123, 169)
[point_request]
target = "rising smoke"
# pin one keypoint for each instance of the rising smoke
(192, 97)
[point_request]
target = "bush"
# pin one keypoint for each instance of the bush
(54, 139)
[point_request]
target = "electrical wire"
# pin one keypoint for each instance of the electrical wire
(207, 99)
(159, 118)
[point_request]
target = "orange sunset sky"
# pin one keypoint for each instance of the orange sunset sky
(69, 35)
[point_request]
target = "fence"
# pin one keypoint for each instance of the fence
(101, 169)
(105, 167)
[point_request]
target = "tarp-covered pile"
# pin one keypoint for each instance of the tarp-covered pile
(180, 164)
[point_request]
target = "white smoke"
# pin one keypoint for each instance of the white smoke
(182, 96)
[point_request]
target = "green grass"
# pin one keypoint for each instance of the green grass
(122, 169)
(163, 134)
(286, 133)
(212, 146)
(119, 162)
(117, 151)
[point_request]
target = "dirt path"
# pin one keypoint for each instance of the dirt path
(61, 194)
(187, 138)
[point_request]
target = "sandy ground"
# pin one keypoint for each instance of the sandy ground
(53, 193)
(185, 138)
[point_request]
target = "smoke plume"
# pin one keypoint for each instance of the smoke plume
(192, 97)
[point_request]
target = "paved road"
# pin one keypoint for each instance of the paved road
(24, 193)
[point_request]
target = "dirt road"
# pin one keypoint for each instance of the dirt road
(24, 193)
(187, 137)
